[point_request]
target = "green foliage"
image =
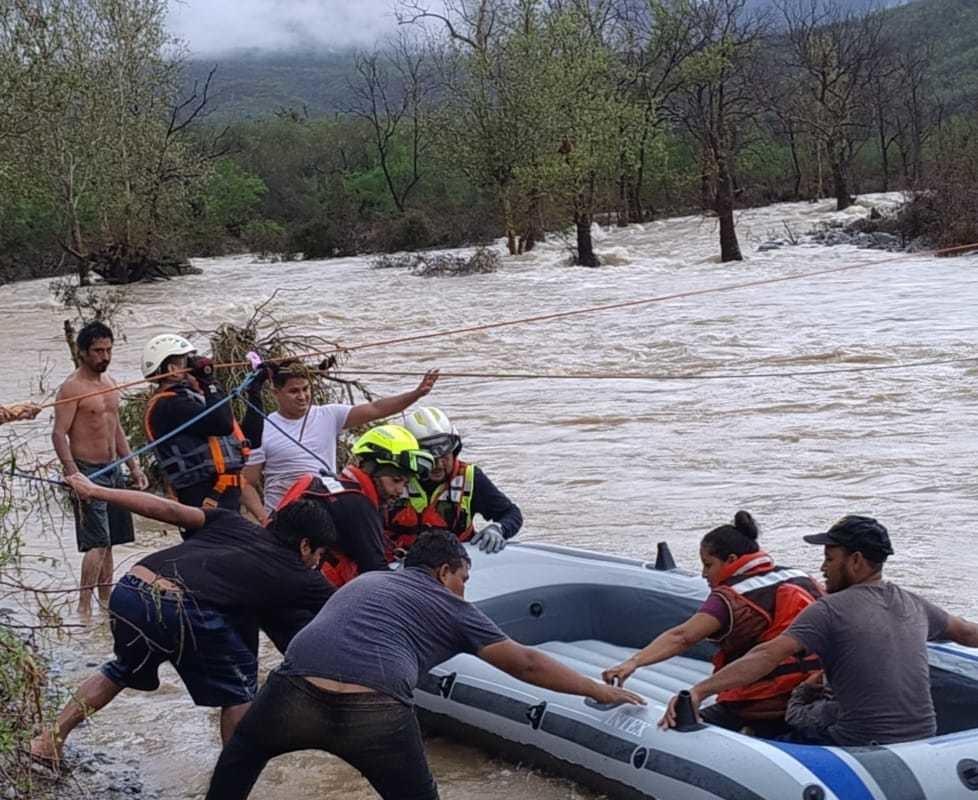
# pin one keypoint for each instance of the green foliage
(265, 237)
(410, 231)
(232, 196)
(551, 114)
(25, 703)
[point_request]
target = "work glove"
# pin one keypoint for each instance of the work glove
(490, 539)
(202, 368)
(262, 374)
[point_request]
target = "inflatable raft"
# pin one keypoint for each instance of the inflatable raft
(591, 611)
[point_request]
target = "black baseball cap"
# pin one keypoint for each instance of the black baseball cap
(858, 534)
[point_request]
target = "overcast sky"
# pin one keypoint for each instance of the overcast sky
(213, 26)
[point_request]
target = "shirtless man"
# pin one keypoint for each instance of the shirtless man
(87, 436)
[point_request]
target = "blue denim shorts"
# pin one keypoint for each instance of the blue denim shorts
(150, 627)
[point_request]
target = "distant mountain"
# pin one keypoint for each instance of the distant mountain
(251, 84)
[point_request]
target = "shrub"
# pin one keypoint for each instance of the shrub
(264, 237)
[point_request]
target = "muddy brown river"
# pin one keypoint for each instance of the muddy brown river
(612, 465)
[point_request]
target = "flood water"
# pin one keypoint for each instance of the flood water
(612, 465)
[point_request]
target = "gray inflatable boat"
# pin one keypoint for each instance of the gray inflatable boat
(591, 611)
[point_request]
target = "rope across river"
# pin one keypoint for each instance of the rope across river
(538, 318)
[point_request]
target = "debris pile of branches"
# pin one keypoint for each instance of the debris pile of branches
(430, 265)
(273, 341)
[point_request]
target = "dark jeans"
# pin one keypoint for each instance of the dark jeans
(722, 715)
(374, 733)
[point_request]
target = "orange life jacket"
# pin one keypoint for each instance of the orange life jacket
(338, 568)
(187, 459)
(448, 507)
(763, 600)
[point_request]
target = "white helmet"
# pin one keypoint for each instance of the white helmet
(160, 348)
(433, 430)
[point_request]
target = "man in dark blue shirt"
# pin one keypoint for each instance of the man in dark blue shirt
(345, 685)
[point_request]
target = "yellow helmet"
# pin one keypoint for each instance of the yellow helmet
(395, 446)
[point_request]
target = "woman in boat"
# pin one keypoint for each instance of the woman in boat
(751, 601)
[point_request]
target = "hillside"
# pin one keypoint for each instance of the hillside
(253, 83)
(953, 26)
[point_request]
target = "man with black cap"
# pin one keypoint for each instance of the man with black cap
(871, 637)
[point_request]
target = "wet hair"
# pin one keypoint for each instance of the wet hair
(738, 539)
(435, 548)
(305, 518)
(285, 370)
(90, 332)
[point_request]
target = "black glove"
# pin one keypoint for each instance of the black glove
(261, 375)
(202, 368)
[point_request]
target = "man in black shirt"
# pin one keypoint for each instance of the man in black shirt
(186, 604)
(202, 464)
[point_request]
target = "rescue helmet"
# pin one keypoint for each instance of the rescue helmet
(393, 445)
(160, 348)
(434, 431)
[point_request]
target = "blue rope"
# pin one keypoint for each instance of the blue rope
(236, 392)
(327, 470)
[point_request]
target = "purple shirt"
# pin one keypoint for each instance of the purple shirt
(715, 606)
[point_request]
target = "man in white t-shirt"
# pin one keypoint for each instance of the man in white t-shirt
(280, 461)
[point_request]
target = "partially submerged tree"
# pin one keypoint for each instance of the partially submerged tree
(718, 105)
(838, 52)
(588, 132)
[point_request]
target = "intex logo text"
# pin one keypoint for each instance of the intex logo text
(626, 723)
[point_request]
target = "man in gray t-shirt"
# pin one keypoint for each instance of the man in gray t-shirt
(345, 686)
(871, 637)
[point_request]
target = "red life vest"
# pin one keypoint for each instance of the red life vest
(449, 507)
(187, 459)
(763, 600)
(338, 568)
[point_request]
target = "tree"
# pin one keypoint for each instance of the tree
(480, 126)
(654, 40)
(718, 106)
(102, 128)
(587, 132)
(838, 52)
(390, 92)
(534, 109)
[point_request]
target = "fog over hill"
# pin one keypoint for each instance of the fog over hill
(298, 53)
(220, 27)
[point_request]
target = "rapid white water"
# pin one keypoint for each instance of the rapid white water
(609, 465)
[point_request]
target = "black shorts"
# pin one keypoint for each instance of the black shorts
(150, 627)
(98, 524)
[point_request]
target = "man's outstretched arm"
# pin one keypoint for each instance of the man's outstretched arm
(142, 503)
(366, 413)
(961, 631)
(533, 666)
(750, 667)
